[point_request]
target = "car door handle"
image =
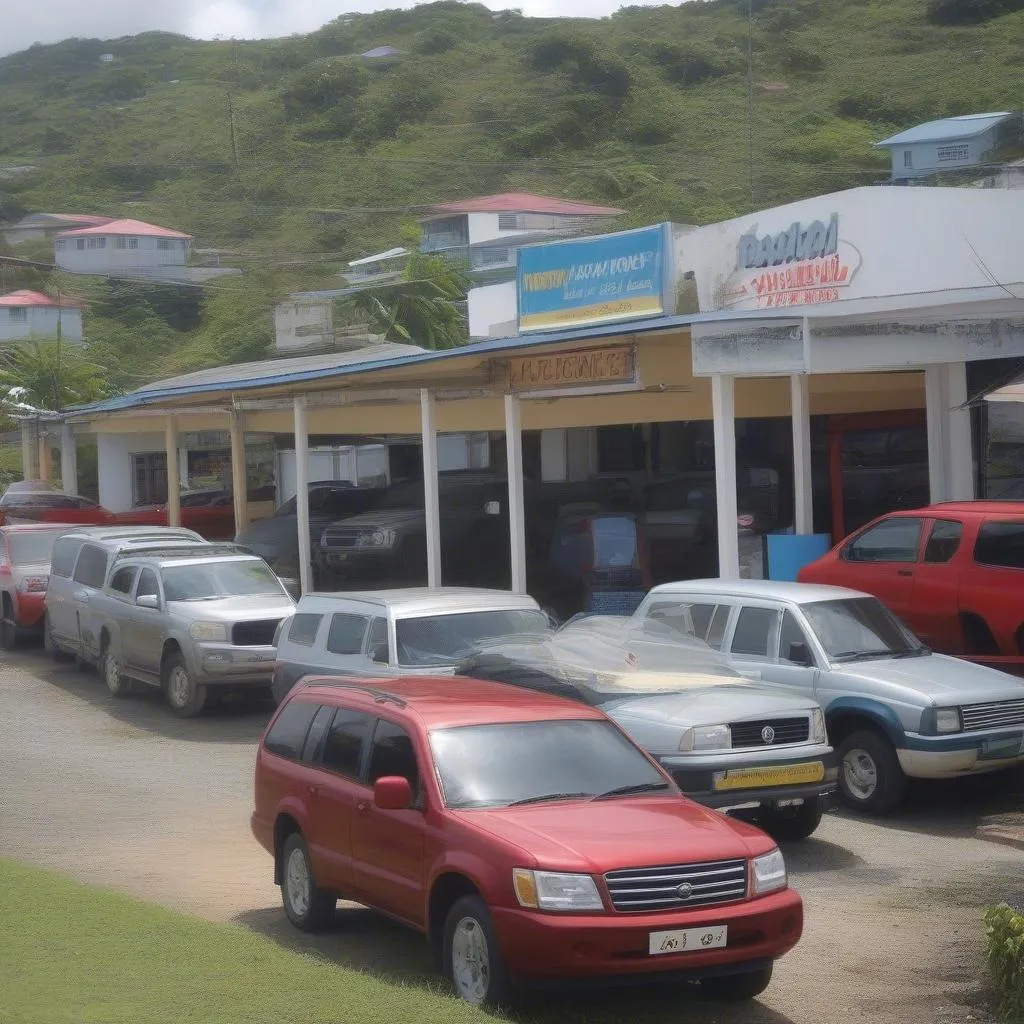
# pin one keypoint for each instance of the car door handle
(82, 596)
(904, 572)
(313, 790)
(363, 807)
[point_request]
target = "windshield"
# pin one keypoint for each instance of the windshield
(32, 548)
(860, 628)
(498, 765)
(248, 577)
(446, 639)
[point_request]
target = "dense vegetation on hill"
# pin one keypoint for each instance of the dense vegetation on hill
(295, 154)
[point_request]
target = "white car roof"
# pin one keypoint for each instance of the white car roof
(768, 590)
(421, 600)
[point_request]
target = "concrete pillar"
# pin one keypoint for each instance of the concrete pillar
(28, 450)
(239, 484)
(68, 459)
(937, 411)
(431, 488)
(173, 478)
(44, 453)
(800, 411)
(960, 476)
(723, 408)
(302, 495)
(516, 500)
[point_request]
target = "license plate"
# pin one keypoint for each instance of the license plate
(688, 940)
(752, 778)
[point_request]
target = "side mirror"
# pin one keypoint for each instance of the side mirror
(392, 793)
(492, 508)
(799, 654)
(148, 601)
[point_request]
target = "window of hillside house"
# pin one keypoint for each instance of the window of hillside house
(80, 243)
(509, 221)
(120, 243)
(164, 244)
(60, 244)
(908, 158)
(133, 243)
(18, 314)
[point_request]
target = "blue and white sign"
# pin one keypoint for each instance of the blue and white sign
(595, 280)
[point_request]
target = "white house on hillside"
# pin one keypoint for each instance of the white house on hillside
(36, 226)
(27, 316)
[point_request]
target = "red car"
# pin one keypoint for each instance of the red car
(953, 572)
(526, 836)
(210, 513)
(51, 506)
(24, 573)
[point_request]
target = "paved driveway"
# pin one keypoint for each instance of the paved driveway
(120, 793)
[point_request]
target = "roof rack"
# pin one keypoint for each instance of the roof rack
(380, 696)
(184, 549)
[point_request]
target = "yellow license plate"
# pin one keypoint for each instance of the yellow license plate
(789, 774)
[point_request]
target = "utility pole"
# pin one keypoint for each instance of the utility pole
(750, 100)
(231, 122)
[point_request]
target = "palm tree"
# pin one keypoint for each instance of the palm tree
(420, 308)
(48, 375)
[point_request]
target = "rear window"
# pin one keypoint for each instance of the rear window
(65, 550)
(287, 735)
(91, 569)
(32, 548)
(1000, 544)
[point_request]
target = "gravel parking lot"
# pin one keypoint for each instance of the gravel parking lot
(119, 792)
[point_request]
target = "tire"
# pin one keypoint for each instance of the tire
(185, 697)
(737, 988)
(870, 777)
(60, 656)
(113, 673)
(791, 823)
(308, 907)
(471, 955)
(8, 628)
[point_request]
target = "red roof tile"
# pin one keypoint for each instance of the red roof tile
(28, 298)
(126, 227)
(526, 202)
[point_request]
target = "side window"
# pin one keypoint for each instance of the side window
(753, 632)
(393, 754)
(148, 585)
(122, 580)
(716, 629)
(91, 568)
(287, 735)
(346, 633)
(317, 731)
(304, 628)
(892, 540)
(943, 541)
(344, 743)
(680, 617)
(790, 634)
(1001, 544)
(379, 649)
(65, 551)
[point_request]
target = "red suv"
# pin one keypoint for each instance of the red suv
(953, 572)
(525, 835)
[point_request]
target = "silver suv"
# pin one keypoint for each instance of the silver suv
(187, 618)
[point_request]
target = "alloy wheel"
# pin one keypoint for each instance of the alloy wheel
(471, 964)
(297, 882)
(179, 687)
(860, 773)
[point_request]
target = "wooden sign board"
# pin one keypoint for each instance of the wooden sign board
(584, 369)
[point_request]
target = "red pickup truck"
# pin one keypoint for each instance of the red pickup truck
(953, 572)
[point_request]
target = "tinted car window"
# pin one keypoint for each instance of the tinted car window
(344, 743)
(148, 584)
(791, 633)
(393, 754)
(287, 735)
(892, 540)
(1001, 544)
(32, 548)
(122, 580)
(379, 641)
(753, 631)
(317, 731)
(445, 639)
(91, 568)
(304, 628)
(65, 550)
(346, 633)
(943, 541)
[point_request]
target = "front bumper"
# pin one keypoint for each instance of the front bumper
(943, 757)
(224, 664)
(556, 947)
(700, 777)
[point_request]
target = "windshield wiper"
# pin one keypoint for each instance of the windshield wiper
(864, 655)
(640, 787)
(547, 796)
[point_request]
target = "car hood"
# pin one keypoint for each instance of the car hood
(601, 836)
(708, 705)
(271, 531)
(945, 680)
(234, 609)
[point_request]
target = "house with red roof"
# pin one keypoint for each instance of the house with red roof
(40, 226)
(32, 316)
(129, 246)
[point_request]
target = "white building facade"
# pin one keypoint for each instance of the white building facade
(33, 316)
(122, 247)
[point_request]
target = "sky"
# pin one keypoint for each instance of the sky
(49, 21)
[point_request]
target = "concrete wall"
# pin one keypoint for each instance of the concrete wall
(930, 157)
(114, 465)
(490, 305)
(302, 324)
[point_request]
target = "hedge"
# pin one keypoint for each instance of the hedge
(1005, 929)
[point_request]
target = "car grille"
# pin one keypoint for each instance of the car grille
(782, 730)
(638, 889)
(254, 634)
(991, 716)
(335, 538)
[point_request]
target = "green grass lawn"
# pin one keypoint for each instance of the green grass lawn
(76, 954)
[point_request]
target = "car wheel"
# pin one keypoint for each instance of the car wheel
(790, 823)
(308, 907)
(737, 988)
(8, 629)
(50, 645)
(113, 675)
(185, 696)
(472, 956)
(870, 777)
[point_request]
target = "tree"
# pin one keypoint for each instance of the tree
(52, 376)
(420, 308)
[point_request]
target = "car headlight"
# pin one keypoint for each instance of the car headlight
(215, 632)
(706, 737)
(554, 890)
(768, 873)
(947, 719)
(376, 539)
(819, 734)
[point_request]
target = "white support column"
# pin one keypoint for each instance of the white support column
(723, 408)
(516, 500)
(960, 447)
(68, 459)
(431, 490)
(173, 477)
(937, 410)
(800, 411)
(44, 454)
(302, 494)
(239, 483)
(28, 450)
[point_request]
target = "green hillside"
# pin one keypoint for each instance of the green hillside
(295, 154)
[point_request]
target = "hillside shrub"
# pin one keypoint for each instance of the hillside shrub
(687, 65)
(969, 12)
(1005, 929)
